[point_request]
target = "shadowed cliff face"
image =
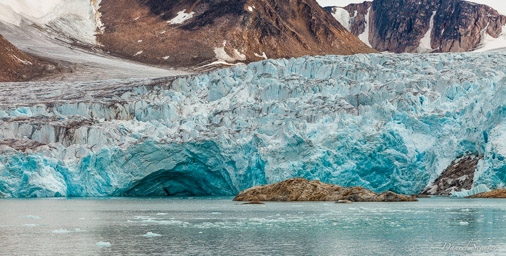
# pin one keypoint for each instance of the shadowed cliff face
(16, 65)
(424, 25)
(188, 33)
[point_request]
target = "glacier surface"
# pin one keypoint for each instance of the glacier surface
(384, 122)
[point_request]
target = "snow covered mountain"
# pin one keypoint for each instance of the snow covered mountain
(179, 34)
(64, 32)
(425, 25)
(385, 122)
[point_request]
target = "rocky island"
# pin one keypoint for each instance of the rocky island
(498, 193)
(300, 189)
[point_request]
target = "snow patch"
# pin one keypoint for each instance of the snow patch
(343, 16)
(75, 19)
(222, 55)
(425, 42)
(261, 56)
(25, 62)
(138, 53)
(181, 17)
(364, 37)
(489, 43)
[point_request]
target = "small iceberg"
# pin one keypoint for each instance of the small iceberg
(151, 234)
(66, 231)
(103, 244)
(31, 225)
(32, 217)
(61, 231)
(476, 190)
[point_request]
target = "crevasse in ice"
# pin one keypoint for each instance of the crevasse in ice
(384, 122)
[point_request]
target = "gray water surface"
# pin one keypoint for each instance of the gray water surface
(219, 226)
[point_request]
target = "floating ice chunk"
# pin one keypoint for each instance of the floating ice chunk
(463, 223)
(31, 225)
(61, 231)
(151, 234)
(31, 217)
(476, 190)
(162, 213)
(103, 244)
(66, 231)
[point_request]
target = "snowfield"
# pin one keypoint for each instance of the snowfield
(385, 122)
(74, 19)
(51, 28)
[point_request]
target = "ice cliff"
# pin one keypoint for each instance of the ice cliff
(384, 122)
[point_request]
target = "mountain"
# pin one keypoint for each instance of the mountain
(424, 25)
(188, 33)
(16, 65)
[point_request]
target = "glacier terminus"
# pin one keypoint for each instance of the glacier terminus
(381, 121)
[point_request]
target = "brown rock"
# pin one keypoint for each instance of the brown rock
(458, 176)
(498, 193)
(421, 196)
(144, 30)
(254, 202)
(299, 189)
(16, 65)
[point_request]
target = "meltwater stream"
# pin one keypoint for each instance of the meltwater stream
(219, 226)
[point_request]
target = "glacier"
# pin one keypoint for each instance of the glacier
(381, 121)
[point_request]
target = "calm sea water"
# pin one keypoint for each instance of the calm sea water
(219, 226)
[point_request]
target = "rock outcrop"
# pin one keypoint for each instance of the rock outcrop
(16, 65)
(422, 25)
(458, 176)
(498, 193)
(299, 189)
(188, 33)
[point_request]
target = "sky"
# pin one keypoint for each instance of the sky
(499, 5)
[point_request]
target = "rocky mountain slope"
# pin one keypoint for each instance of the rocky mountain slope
(16, 65)
(191, 33)
(424, 25)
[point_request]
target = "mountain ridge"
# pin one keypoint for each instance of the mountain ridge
(425, 25)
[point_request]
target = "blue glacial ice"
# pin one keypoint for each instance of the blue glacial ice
(384, 122)
(482, 188)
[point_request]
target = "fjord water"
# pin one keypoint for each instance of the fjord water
(219, 226)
